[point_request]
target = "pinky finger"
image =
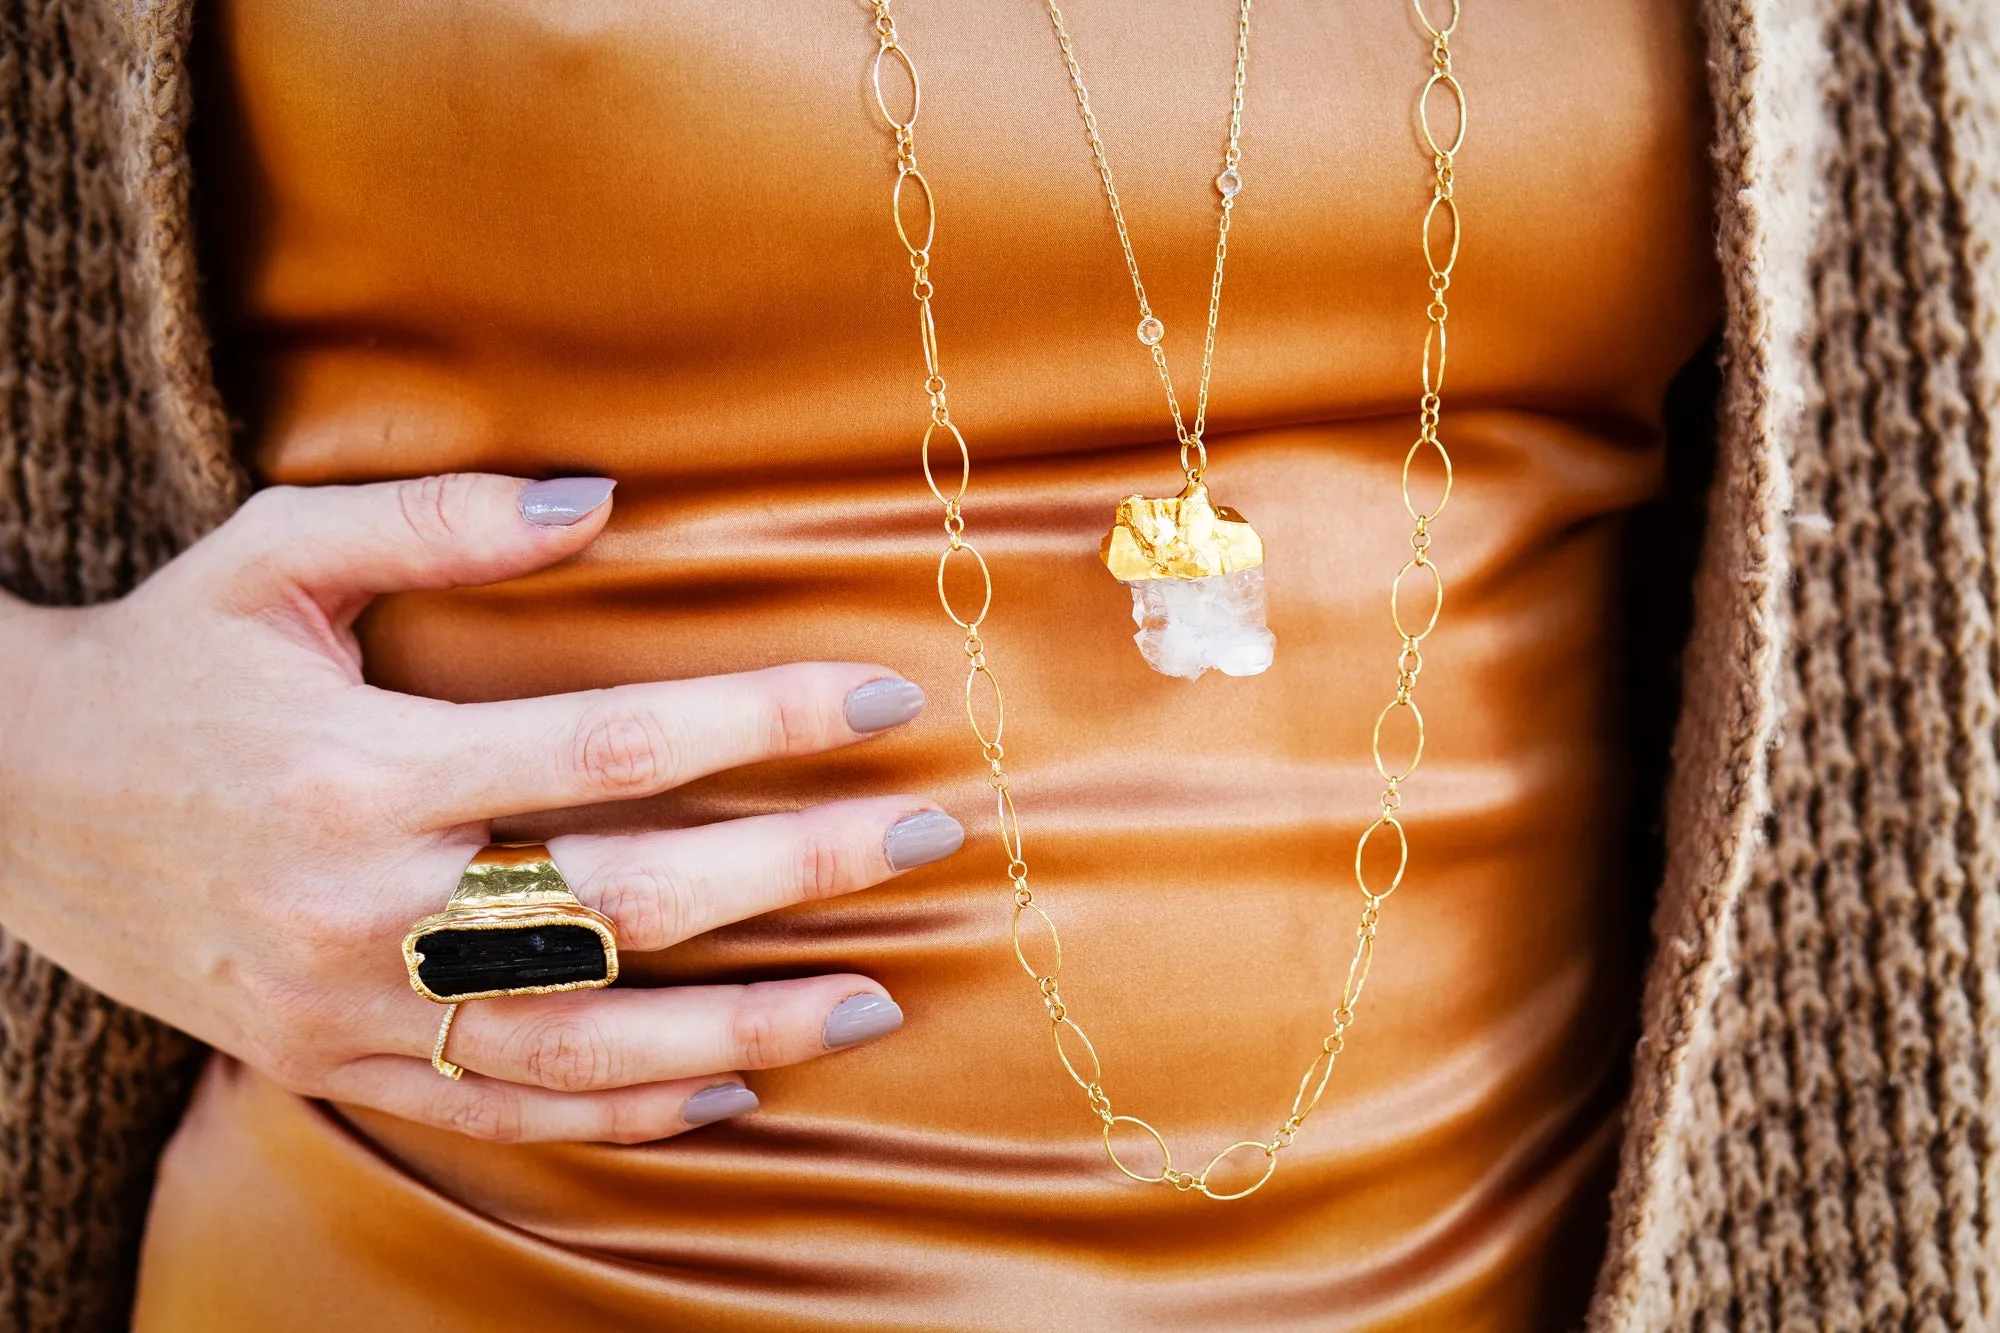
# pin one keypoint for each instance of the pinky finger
(494, 1111)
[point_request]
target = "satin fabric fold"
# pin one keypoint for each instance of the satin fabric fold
(652, 241)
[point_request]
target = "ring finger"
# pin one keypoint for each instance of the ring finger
(662, 888)
(587, 1041)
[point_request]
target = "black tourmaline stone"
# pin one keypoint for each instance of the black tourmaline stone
(466, 962)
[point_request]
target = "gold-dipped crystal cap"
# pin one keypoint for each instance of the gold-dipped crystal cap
(1186, 537)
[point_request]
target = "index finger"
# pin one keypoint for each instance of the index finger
(490, 760)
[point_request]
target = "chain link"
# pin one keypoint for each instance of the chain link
(1037, 944)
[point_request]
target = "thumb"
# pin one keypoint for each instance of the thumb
(344, 544)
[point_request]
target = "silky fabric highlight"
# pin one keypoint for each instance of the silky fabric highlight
(647, 242)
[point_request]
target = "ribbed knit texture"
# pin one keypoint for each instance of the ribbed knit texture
(1850, 1181)
(108, 463)
(1814, 1131)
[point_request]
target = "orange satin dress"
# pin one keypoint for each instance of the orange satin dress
(651, 240)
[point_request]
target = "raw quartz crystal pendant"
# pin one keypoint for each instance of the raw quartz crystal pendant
(1196, 573)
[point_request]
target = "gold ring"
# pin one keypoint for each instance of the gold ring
(438, 1062)
(512, 927)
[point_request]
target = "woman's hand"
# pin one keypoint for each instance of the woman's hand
(206, 814)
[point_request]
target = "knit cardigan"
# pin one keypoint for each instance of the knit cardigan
(1813, 1133)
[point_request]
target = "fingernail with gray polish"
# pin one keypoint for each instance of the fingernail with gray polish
(881, 704)
(861, 1018)
(561, 501)
(718, 1103)
(919, 839)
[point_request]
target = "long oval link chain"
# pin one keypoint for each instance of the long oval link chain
(1037, 946)
(1229, 183)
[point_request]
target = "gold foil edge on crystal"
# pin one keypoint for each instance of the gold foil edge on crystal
(1187, 536)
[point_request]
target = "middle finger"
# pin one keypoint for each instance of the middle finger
(662, 888)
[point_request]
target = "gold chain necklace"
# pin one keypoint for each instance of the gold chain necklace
(1152, 333)
(1195, 569)
(1041, 957)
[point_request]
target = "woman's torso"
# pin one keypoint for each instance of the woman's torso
(652, 241)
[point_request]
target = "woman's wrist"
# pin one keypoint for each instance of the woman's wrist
(28, 634)
(28, 637)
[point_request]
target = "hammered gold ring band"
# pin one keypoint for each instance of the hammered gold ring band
(512, 927)
(438, 1062)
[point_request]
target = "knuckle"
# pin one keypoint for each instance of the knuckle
(246, 551)
(570, 1054)
(827, 864)
(297, 1032)
(316, 937)
(437, 509)
(482, 1111)
(621, 750)
(293, 1067)
(284, 997)
(794, 723)
(629, 1121)
(268, 513)
(799, 719)
(756, 1038)
(654, 906)
(329, 789)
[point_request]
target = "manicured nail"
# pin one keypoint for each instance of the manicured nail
(718, 1103)
(881, 704)
(862, 1018)
(561, 501)
(919, 839)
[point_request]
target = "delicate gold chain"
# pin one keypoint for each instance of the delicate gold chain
(986, 712)
(1152, 332)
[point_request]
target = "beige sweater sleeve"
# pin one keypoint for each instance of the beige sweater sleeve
(113, 454)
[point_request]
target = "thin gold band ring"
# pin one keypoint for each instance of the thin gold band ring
(438, 1062)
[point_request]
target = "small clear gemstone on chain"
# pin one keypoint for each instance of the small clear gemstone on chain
(1151, 331)
(1230, 182)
